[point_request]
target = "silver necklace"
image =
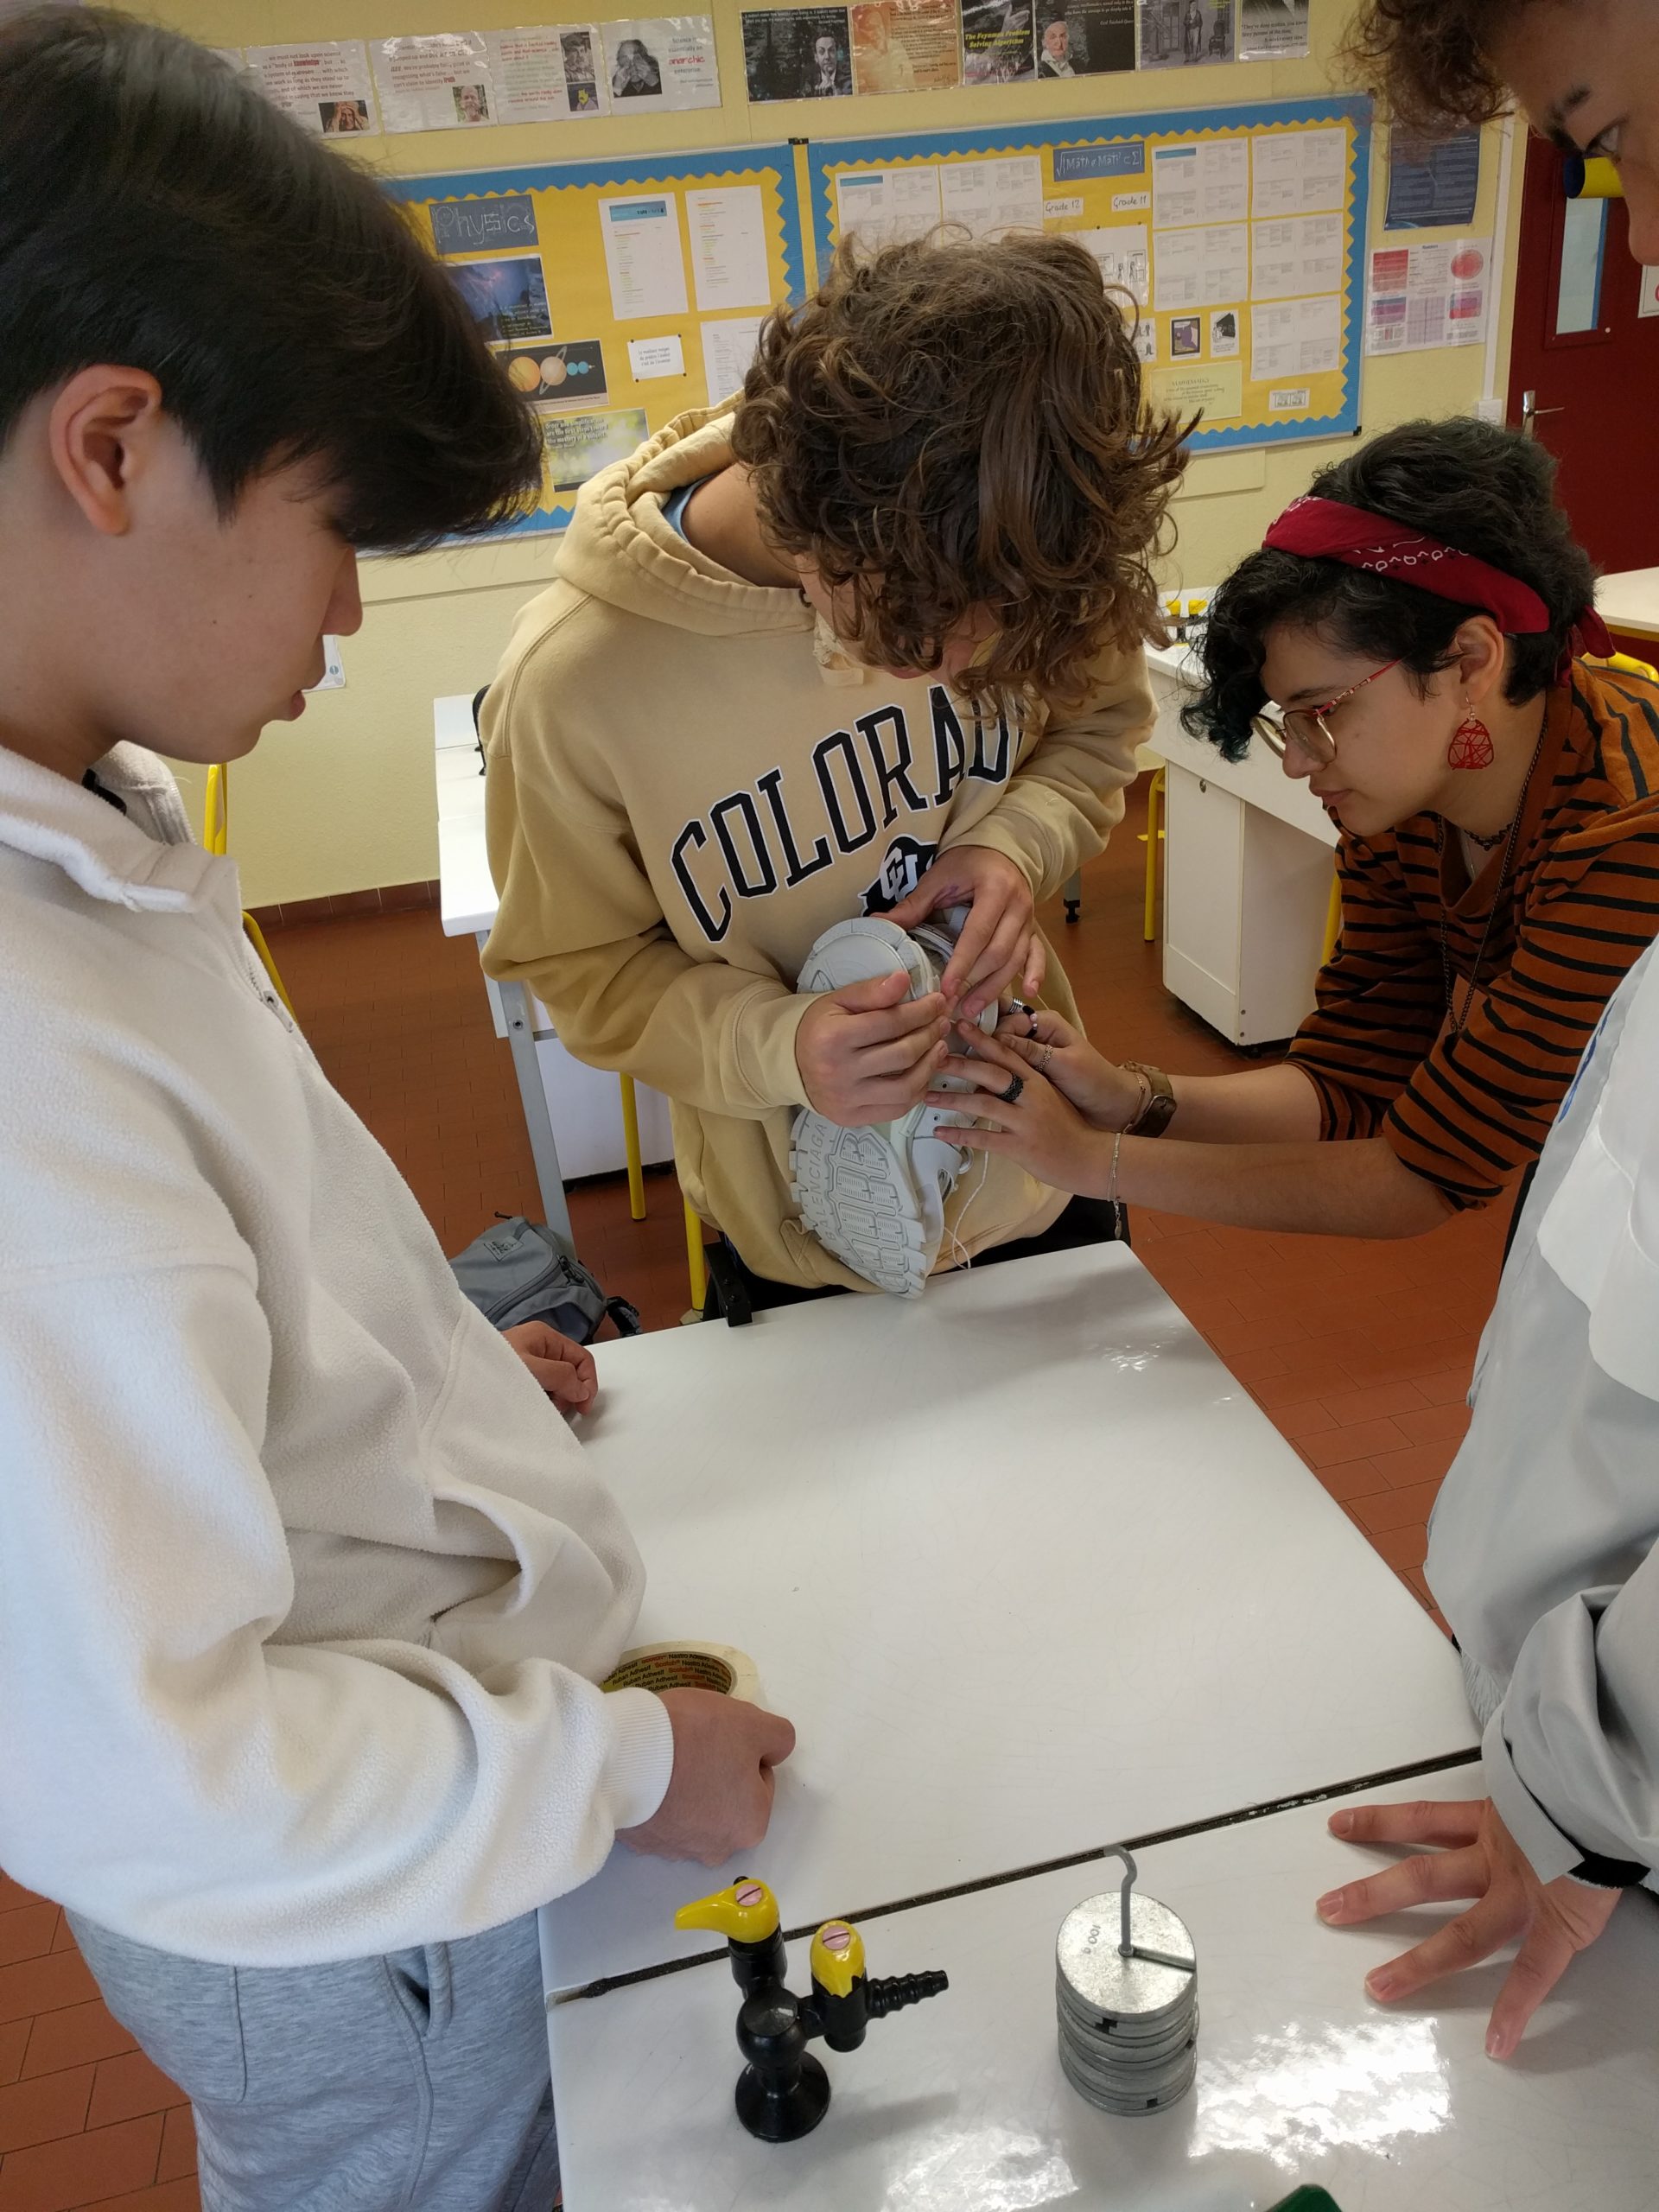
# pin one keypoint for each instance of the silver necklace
(1459, 1022)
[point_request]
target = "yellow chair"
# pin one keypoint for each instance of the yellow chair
(630, 1148)
(216, 836)
(1630, 666)
(1333, 922)
(1152, 836)
(698, 1265)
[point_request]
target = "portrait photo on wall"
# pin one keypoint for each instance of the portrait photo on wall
(636, 72)
(998, 42)
(472, 102)
(340, 117)
(1185, 33)
(797, 53)
(580, 70)
(1085, 38)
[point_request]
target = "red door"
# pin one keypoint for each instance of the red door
(1589, 360)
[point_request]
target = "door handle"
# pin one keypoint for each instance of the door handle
(1531, 412)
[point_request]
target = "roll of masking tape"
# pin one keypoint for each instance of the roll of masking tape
(685, 1665)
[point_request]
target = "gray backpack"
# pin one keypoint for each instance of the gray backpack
(523, 1271)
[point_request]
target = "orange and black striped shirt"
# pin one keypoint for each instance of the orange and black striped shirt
(1581, 904)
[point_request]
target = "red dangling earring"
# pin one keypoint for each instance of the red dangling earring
(1472, 744)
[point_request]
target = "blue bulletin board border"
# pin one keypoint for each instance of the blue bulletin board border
(712, 165)
(826, 155)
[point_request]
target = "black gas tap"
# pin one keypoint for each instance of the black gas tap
(783, 2091)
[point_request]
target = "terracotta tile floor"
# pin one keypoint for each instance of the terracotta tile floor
(1360, 1353)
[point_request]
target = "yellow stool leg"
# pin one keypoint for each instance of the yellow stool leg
(1333, 922)
(257, 938)
(631, 1146)
(1154, 793)
(699, 1266)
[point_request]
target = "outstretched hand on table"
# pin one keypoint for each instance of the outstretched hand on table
(1476, 1856)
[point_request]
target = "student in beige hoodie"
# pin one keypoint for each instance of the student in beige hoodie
(868, 644)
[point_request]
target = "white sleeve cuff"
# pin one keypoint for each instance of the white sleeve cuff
(1549, 1853)
(641, 1762)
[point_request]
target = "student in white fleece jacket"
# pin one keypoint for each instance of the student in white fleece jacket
(305, 1591)
(1542, 1548)
(1542, 1556)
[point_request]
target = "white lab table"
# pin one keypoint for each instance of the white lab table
(1247, 874)
(960, 2105)
(1630, 602)
(1025, 1566)
(572, 1112)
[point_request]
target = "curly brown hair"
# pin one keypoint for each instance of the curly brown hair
(945, 428)
(1426, 59)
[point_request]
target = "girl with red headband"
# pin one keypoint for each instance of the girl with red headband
(1406, 641)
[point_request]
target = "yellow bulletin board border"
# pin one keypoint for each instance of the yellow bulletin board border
(1095, 161)
(569, 247)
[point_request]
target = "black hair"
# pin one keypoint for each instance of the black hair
(1485, 490)
(156, 212)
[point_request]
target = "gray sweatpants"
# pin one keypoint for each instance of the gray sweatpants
(415, 2083)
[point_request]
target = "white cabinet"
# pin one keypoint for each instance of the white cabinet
(1248, 860)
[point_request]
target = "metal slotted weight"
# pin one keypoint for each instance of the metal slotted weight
(1127, 1980)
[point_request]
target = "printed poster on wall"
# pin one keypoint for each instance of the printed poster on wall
(325, 87)
(642, 255)
(797, 53)
(571, 374)
(656, 62)
(1085, 38)
(1185, 33)
(888, 207)
(727, 225)
(999, 42)
(1432, 182)
(1273, 30)
(1422, 297)
(508, 295)
(579, 446)
(457, 80)
(906, 46)
(728, 350)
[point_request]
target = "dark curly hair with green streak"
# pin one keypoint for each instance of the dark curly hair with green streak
(950, 427)
(1485, 490)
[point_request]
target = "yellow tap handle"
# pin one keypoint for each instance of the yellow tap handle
(837, 1957)
(747, 1911)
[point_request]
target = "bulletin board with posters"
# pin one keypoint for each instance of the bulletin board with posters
(618, 293)
(1238, 232)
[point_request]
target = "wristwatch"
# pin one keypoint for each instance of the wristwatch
(1158, 1111)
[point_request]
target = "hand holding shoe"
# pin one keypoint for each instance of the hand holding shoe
(867, 1052)
(1105, 1095)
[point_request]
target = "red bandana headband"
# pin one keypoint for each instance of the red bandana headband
(1327, 530)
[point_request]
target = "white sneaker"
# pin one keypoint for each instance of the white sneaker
(875, 1196)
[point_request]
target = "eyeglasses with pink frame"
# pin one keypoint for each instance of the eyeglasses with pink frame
(1305, 727)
